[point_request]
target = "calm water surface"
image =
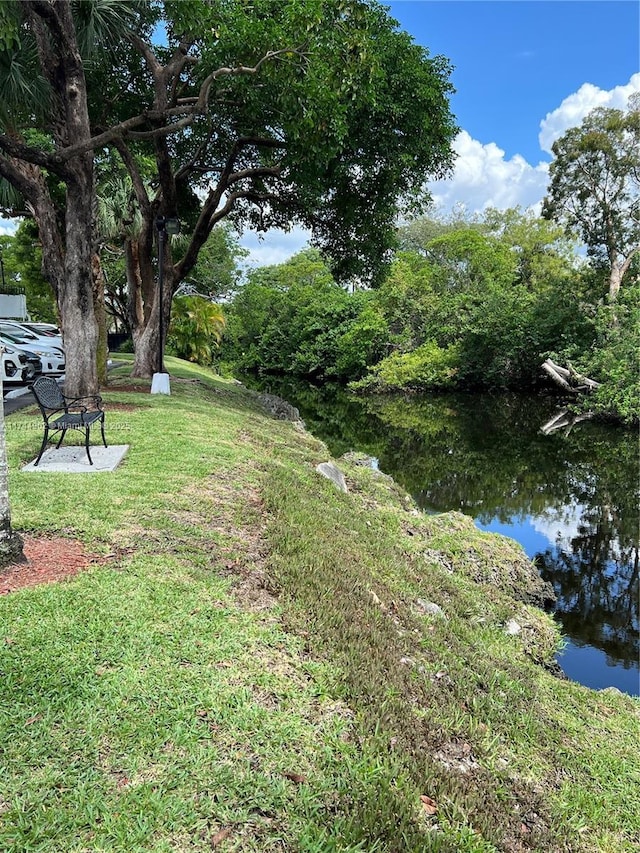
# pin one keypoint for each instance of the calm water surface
(570, 498)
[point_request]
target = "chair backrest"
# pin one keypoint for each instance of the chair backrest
(47, 393)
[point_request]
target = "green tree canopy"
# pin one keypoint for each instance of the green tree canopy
(595, 187)
(294, 319)
(320, 113)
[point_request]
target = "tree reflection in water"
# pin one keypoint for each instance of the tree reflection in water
(598, 592)
(486, 456)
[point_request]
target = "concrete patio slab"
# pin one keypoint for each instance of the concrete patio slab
(72, 459)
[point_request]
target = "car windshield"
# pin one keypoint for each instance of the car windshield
(17, 334)
(49, 331)
(9, 337)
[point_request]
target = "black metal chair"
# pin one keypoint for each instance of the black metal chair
(61, 413)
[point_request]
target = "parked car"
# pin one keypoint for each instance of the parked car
(22, 330)
(18, 366)
(47, 329)
(51, 357)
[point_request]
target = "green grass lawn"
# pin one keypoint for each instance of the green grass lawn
(251, 668)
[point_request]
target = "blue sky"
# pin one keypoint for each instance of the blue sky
(524, 72)
(517, 60)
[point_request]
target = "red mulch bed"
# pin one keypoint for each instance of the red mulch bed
(48, 560)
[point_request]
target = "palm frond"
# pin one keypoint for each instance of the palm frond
(23, 90)
(118, 213)
(11, 200)
(103, 22)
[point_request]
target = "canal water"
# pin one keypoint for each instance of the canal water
(569, 497)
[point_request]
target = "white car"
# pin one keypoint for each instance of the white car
(18, 366)
(51, 357)
(49, 336)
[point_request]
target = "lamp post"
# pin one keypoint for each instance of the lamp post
(165, 225)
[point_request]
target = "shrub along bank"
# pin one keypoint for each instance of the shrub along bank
(263, 662)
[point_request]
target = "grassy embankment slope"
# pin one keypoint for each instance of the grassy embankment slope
(254, 667)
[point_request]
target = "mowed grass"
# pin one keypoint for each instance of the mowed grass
(251, 667)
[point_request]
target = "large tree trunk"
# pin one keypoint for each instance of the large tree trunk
(146, 344)
(615, 280)
(67, 267)
(80, 337)
(75, 292)
(135, 300)
(146, 334)
(140, 307)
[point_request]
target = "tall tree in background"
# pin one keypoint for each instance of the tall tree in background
(270, 114)
(595, 187)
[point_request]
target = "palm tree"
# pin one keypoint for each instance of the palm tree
(119, 224)
(196, 328)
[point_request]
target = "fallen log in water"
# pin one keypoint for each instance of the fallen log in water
(569, 379)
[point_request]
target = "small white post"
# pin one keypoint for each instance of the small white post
(160, 384)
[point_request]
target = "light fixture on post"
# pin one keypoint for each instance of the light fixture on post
(160, 382)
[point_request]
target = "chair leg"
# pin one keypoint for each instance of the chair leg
(104, 440)
(86, 445)
(44, 444)
(60, 439)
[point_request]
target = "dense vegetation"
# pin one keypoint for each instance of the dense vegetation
(480, 303)
(467, 304)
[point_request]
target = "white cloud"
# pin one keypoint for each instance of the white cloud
(562, 524)
(574, 108)
(483, 178)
